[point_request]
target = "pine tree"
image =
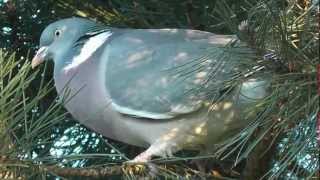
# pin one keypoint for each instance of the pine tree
(39, 140)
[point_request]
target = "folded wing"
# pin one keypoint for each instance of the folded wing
(156, 74)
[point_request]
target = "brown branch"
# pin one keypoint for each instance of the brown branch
(258, 163)
(170, 169)
(192, 15)
(190, 9)
(10, 165)
(85, 172)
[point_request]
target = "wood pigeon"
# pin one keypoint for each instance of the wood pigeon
(152, 88)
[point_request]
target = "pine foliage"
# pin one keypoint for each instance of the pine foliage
(39, 140)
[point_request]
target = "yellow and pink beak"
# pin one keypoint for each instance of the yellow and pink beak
(39, 57)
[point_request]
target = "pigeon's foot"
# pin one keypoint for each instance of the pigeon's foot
(160, 148)
(141, 158)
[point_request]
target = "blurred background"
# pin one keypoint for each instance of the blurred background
(40, 139)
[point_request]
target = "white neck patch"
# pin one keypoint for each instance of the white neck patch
(88, 49)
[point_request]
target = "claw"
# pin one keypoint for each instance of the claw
(141, 162)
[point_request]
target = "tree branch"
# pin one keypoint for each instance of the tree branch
(85, 172)
(171, 169)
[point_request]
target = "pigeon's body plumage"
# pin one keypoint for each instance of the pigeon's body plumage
(141, 86)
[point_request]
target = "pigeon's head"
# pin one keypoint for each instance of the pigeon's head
(59, 37)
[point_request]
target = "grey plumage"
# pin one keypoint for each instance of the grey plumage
(131, 85)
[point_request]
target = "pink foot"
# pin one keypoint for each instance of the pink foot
(141, 158)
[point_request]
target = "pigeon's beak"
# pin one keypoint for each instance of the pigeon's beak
(39, 57)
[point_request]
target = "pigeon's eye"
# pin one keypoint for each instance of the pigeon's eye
(57, 33)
